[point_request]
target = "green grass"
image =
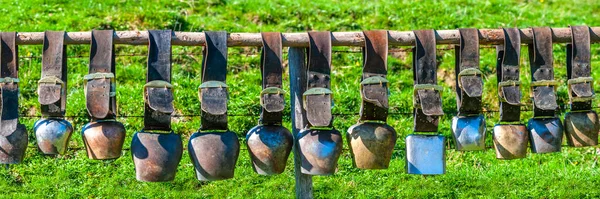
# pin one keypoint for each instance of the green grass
(572, 173)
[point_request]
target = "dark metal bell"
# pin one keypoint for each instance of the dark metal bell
(156, 155)
(425, 154)
(13, 145)
(469, 132)
(52, 135)
(371, 144)
(214, 154)
(319, 151)
(510, 141)
(103, 139)
(269, 147)
(582, 128)
(545, 134)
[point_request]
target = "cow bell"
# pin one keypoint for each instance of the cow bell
(425, 154)
(156, 155)
(371, 144)
(269, 147)
(582, 128)
(545, 134)
(469, 132)
(214, 154)
(103, 139)
(13, 145)
(320, 150)
(510, 141)
(52, 135)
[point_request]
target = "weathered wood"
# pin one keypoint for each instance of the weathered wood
(297, 67)
(396, 38)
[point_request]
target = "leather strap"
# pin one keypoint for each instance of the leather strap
(213, 90)
(158, 91)
(374, 85)
(469, 83)
(426, 95)
(543, 85)
(100, 82)
(507, 67)
(317, 97)
(272, 96)
(579, 69)
(52, 87)
(9, 67)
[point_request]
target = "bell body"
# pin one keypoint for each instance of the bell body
(371, 144)
(103, 139)
(269, 147)
(13, 145)
(510, 141)
(425, 154)
(214, 154)
(582, 128)
(52, 135)
(545, 134)
(319, 151)
(156, 155)
(469, 132)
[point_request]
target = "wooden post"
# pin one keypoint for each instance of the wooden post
(297, 67)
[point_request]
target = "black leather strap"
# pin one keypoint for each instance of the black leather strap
(507, 69)
(374, 85)
(469, 83)
(579, 69)
(543, 85)
(52, 88)
(158, 91)
(272, 96)
(213, 91)
(317, 98)
(9, 67)
(100, 82)
(427, 98)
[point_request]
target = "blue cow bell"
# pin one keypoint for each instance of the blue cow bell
(103, 139)
(469, 132)
(371, 144)
(52, 135)
(582, 128)
(214, 154)
(510, 141)
(269, 147)
(319, 151)
(425, 154)
(156, 155)
(545, 134)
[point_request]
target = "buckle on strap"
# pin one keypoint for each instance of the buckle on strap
(50, 90)
(272, 99)
(213, 97)
(158, 95)
(580, 89)
(431, 94)
(318, 113)
(99, 88)
(469, 81)
(543, 94)
(510, 86)
(375, 91)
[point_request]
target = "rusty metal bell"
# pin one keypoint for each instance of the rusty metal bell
(214, 154)
(13, 145)
(103, 139)
(53, 135)
(545, 134)
(425, 154)
(371, 144)
(319, 151)
(582, 128)
(156, 155)
(510, 141)
(269, 147)
(469, 132)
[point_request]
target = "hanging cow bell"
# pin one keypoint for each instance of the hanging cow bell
(545, 134)
(582, 128)
(425, 154)
(103, 139)
(320, 150)
(371, 144)
(214, 154)
(269, 147)
(510, 141)
(469, 132)
(156, 155)
(53, 135)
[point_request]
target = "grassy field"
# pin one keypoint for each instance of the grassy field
(572, 173)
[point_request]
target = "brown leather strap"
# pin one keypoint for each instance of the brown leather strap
(158, 91)
(542, 73)
(374, 85)
(100, 82)
(507, 68)
(213, 91)
(272, 97)
(9, 67)
(427, 98)
(469, 83)
(317, 98)
(52, 88)
(579, 69)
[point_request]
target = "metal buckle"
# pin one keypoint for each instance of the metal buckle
(50, 82)
(472, 72)
(94, 76)
(213, 97)
(580, 80)
(367, 83)
(508, 83)
(318, 121)
(166, 106)
(436, 107)
(273, 104)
